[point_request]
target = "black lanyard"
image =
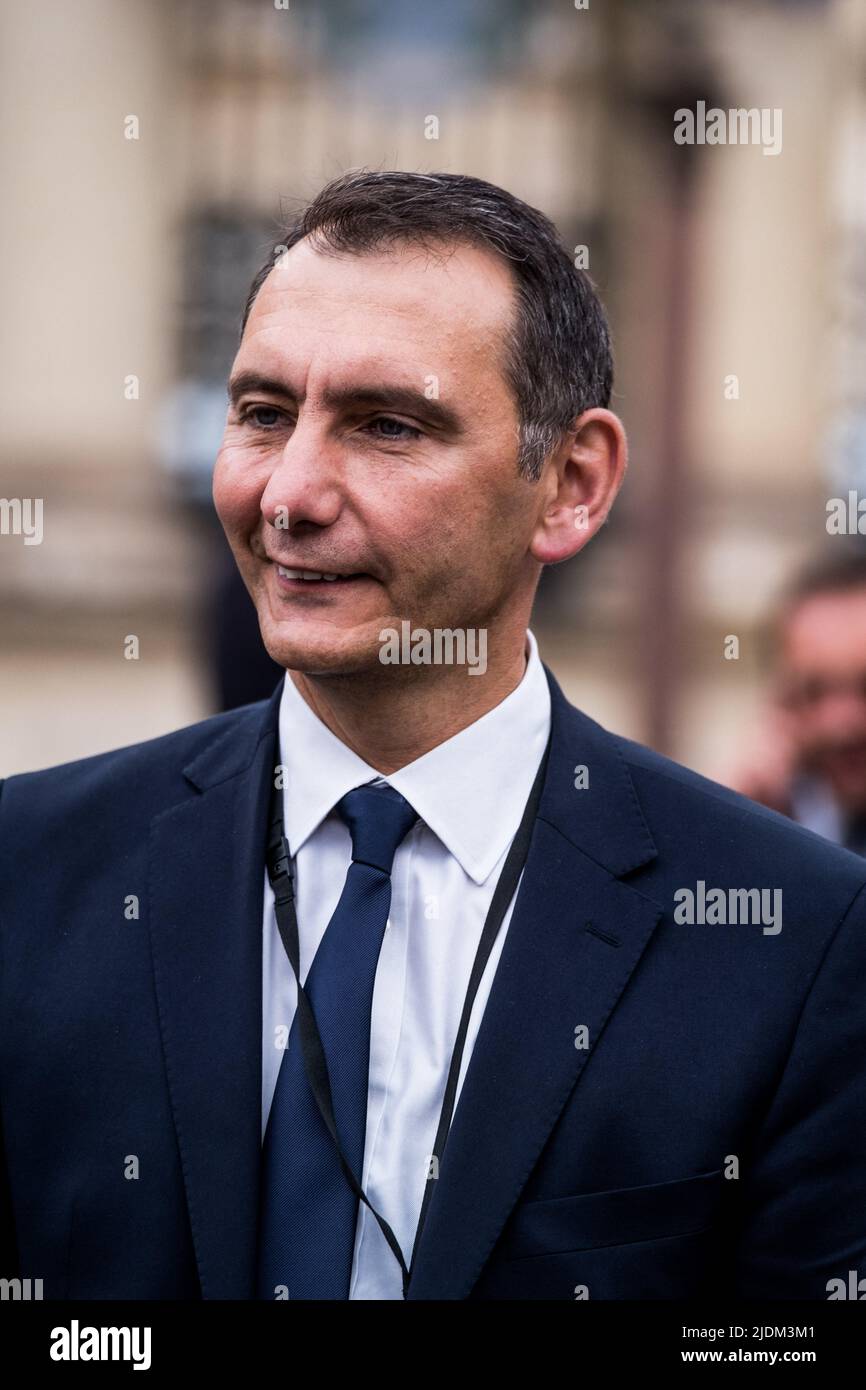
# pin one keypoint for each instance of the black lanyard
(279, 865)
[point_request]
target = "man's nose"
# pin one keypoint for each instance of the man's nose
(306, 482)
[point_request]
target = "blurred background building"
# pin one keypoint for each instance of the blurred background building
(146, 151)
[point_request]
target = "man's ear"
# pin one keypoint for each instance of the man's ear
(580, 483)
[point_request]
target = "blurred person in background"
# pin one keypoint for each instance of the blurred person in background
(809, 759)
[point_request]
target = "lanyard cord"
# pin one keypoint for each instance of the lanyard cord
(279, 867)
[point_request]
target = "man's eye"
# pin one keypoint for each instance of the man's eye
(387, 428)
(264, 417)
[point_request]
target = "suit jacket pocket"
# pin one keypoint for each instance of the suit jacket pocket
(621, 1216)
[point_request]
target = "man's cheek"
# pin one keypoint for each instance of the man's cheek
(236, 494)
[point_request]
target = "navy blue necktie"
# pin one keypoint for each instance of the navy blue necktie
(308, 1210)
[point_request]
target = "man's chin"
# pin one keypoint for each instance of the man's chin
(330, 652)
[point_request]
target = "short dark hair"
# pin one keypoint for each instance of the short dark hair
(558, 355)
(835, 571)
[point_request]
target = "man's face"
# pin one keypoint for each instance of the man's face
(824, 686)
(371, 434)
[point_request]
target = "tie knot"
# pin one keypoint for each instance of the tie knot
(378, 819)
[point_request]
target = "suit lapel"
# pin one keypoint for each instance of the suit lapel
(206, 881)
(575, 936)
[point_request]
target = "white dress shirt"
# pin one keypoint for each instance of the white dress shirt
(470, 793)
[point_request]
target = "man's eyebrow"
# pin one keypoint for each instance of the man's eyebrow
(250, 382)
(408, 400)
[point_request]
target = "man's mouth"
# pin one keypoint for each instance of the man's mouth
(306, 574)
(295, 578)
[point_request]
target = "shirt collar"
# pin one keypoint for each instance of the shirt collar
(470, 790)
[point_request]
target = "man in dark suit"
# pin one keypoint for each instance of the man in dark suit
(412, 980)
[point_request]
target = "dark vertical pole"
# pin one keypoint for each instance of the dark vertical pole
(665, 525)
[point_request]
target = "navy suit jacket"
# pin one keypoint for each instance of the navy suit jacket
(652, 1110)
